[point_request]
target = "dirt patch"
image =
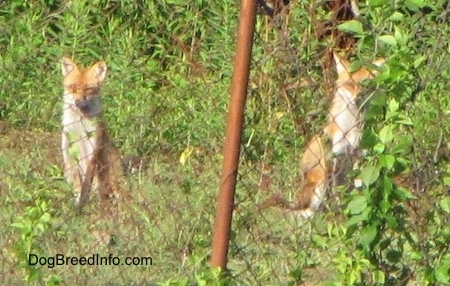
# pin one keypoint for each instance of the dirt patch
(44, 146)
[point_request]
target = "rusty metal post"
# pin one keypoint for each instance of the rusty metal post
(233, 134)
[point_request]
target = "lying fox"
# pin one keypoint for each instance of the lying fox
(341, 134)
(90, 159)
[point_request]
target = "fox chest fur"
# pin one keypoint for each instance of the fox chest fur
(344, 126)
(80, 137)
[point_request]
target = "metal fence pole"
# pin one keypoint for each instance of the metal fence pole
(233, 135)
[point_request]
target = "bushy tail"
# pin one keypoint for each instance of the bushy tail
(314, 169)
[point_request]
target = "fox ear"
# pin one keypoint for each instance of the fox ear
(99, 70)
(342, 65)
(67, 65)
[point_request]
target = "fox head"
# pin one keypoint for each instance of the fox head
(350, 80)
(82, 84)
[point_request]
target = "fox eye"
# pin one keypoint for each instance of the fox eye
(91, 91)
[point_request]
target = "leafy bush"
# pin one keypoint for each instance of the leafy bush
(169, 69)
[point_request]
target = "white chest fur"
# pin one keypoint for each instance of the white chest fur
(345, 114)
(79, 139)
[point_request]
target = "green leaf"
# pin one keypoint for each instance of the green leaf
(357, 205)
(368, 235)
(391, 220)
(418, 62)
(378, 3)
(404, 120)
(355, 65)
(400, 36)
(39, 229)
(388, 186)
(396, 17)
(18, 225)
(379, 277)
(319, 241)
(352, 26)
(447, 181)
(393, 105)
(445, 204)
(443, 270)
(393, 256)
(416, 255)
(404, 194)
(73, 151)
(415, 5)
(379, 148)
(370, 174)
(45, 217)
(386, 134)
(175, 2)
(388, 39)
(387, 161)
(355, 219)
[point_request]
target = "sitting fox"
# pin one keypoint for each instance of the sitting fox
(341, 136)
(90, 159)
(345, 121)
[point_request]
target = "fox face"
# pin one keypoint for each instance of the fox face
(82, 86)
(350, 80)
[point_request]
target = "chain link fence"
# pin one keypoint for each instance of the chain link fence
(302, 140)
(164, 101)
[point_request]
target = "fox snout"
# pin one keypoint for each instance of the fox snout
(83, 103)
(85, 97)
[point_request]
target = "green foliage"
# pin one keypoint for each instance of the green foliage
(165, 97)
(31, 226)
(379, 218)
(352, 26)
(147, 57)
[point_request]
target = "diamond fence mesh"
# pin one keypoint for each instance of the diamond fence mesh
(164, 103)
(324, 109)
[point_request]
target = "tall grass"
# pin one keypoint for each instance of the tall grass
(165, 97)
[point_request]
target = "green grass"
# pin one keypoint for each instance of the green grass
(166, 94)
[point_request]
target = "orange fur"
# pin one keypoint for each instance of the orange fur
(345, 120)
(314, 167)
(343, 131)
(90, 159)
